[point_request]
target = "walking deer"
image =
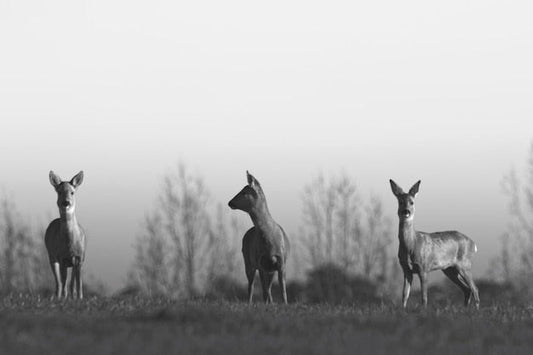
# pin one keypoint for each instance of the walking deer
(265, 246)
(419, 252)
(65, 238)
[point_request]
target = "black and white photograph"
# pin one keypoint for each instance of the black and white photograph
(282, 177)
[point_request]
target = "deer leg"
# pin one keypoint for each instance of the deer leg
(63, 272)
(453, 275)
(74, 277)
(250, 274)
(467, 276)
(266, 281)
(57, 278)
(407, 281)
(282, 284)
(72, 282)
(79, 286)
(424, 287)
(262, 277)
(270, 281)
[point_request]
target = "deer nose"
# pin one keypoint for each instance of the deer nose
(66, 203)
(232, 204)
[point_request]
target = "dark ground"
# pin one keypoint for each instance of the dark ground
(134, 325)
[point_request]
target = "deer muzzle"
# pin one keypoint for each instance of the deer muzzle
(404, 213)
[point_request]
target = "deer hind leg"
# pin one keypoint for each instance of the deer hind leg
(63, 272)
(466, 274)
(250, 274)
(453, 275)
(57, 278)
(72, 283)
(282, 284)
(266, 280)
(407, 281)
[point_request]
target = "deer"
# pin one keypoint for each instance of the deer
(65, 238)
(265, 246)
(420, 252)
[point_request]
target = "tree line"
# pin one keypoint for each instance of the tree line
(190, 243)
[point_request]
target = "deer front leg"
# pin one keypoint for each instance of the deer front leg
(79, 286)
(407, 281)
(63, 272)
(250, 275)
(57, 278)
(424, 287)
(74, 277)
(282, 284)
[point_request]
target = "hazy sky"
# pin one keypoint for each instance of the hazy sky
(379, 89)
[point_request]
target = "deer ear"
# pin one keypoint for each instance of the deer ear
(251, 180)
(414, 190)
(396, 190)
(77, 179)
(55, 180)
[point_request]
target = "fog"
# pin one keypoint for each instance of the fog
(124, 90)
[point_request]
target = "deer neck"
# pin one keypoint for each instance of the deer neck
(261, 217)
(407, 233)
(68, 219)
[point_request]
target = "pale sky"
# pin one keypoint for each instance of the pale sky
(125, 89)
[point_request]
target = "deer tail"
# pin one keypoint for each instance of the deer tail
(269, 263)
(473, 246)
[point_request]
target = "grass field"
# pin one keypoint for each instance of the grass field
(30, 324)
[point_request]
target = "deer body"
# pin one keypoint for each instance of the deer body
(434, 251)
(420, 252)
(265, 246)
(65, 239)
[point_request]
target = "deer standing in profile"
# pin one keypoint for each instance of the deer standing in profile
(420, 252)
(265, 246)
(65, 238)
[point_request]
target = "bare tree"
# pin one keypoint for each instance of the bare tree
(515, 261)
(225, 244)
(150, 270)
(183, 205)
(375, 247)
(331, 220)
(23, 265)
(340, 228)
(181, 249)
(347, 220)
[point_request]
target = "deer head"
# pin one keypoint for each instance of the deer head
(406, 201)
(66, 201)
(250, 197)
